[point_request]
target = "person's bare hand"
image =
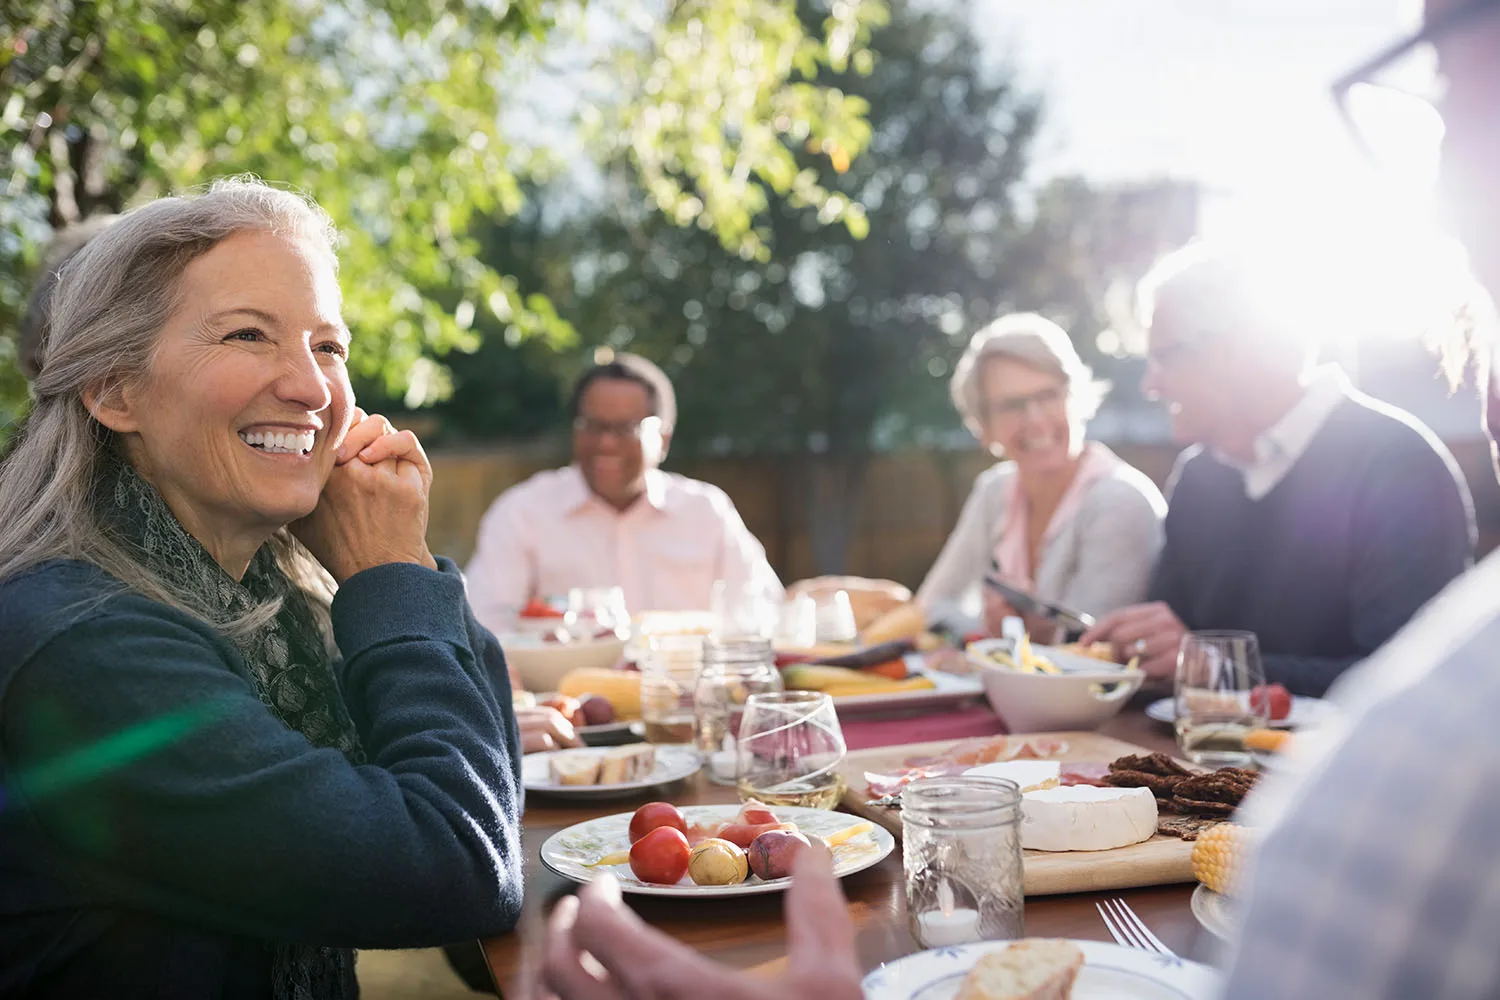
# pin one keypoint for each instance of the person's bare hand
(1152, 632)
(598, 949)
(544, 728)
(996, 610)
(374, 509)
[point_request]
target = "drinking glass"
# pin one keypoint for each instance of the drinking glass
(592, 610)
(961, 847)
(835, 617)
(797, 621)
(741, 613)
(1216, 675)
(733, 670)
(669, 682)
(790, 749)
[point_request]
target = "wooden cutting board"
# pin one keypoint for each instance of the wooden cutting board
(1162, 860)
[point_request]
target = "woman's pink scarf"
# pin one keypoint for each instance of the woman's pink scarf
(1095, 463)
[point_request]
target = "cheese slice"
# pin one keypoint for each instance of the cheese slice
(1030, 775)
(1086, 818)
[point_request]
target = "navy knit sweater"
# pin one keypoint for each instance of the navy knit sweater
(1372, 521)
(159, 825)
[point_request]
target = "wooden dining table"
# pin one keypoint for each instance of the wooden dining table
(749, 932)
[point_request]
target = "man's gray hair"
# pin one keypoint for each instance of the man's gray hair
(1032, 340)
(1230, 291)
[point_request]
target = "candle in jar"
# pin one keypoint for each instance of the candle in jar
(940, 928)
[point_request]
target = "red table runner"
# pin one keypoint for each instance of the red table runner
(975, 720)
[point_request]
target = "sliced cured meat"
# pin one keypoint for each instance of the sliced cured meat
(1085, 773)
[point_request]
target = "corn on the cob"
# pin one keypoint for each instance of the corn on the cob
(1219, 856)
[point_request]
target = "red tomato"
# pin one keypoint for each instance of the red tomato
(661, 856)
(1277, 699)
(538, 608)
(758, 817)
(652, 815)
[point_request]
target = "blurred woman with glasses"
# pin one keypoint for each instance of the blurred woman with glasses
(1061, 517)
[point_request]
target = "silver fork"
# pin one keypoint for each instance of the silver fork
(1127, 929)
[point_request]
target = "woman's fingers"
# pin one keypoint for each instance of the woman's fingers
(365, 430)
(544, 728)
(401, 445)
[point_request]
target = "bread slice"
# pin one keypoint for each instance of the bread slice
(575, 768)
(628, 763)
(1033, 969)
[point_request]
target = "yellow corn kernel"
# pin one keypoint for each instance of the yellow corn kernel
(1220, 855)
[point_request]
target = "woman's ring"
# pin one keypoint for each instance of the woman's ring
(1138, 647)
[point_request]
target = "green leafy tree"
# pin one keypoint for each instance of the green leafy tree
(390, 113)
(833, 344)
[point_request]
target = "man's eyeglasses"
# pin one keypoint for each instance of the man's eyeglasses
(1390, 102)
(1015, 407)
(620, 430)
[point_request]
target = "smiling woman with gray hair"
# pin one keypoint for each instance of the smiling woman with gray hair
(1063, 518)
(249, 722)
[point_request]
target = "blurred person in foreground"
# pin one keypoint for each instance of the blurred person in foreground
(1375, 878)
(1306, 512)
(1062, 517)
(249, 721)
(1373, 882)
(613, 518)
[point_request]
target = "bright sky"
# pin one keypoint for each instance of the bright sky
(1230, 92)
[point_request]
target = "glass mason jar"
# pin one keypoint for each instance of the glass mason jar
(669, 679)
(733, 670)
(961, 842)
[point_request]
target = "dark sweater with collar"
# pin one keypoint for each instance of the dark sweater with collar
(1369, 524)
(158, 825)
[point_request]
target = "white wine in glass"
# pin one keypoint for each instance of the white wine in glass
(1216, 675)
(790, 749)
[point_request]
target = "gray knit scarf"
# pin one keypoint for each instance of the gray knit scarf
(289, 668)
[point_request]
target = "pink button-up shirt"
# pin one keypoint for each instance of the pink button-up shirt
(551, 533)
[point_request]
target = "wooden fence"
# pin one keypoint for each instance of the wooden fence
(910, 503)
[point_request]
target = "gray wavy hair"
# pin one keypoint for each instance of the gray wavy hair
(109, 306)
(1033, 340)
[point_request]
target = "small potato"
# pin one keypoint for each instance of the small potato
(596, 711)
(717, 862)
(773, 852)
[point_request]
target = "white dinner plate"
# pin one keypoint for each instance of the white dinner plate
(1306, 712)
(1109, 972)
(568, 851)
(672, 764)
(1215, 912)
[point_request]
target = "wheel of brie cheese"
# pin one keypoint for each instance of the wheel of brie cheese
(1086, 818)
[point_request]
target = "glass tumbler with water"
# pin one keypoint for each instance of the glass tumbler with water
(1217, 674)
(669, 681)
(961, 845)
(733, 670)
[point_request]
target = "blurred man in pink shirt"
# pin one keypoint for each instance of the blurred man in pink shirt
(613, 518)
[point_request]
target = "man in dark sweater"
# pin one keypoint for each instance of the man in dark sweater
(1306, 512)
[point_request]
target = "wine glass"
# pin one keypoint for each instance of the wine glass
(592, 610)
(1217, 673)
(740, 613)
(790, 748)
(835, 617)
